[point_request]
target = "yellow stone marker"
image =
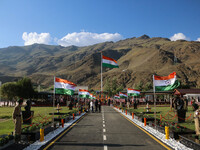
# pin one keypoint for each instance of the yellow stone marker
(41, 135)
(166, 132)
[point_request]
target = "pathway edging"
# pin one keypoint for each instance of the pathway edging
(171, 142)
(36, 145)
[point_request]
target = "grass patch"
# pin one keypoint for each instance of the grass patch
(168, 115)
(7, 126)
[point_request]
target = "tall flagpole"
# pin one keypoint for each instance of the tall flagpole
(154, 97)
(101, 77)
(54, 98)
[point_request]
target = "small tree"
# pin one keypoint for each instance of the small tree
(116, 87)
(108, 87)
(25, 88)
(9, 90)
(112, 87)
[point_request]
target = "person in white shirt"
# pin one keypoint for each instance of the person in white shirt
(91, 106)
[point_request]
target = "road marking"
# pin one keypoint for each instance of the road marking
(103, 122)
(104, 137)
(105, 147)
(103, 125)
(147, 133)
(64, 133)
(104, 130)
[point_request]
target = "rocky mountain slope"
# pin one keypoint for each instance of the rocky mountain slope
(138, 58)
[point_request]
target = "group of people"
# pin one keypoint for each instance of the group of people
(94, 106)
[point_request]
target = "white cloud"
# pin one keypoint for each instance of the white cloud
(33, 37)
(87, 38)
(179, 36)
(198, 39)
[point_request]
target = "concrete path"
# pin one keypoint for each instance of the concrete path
(107, 130)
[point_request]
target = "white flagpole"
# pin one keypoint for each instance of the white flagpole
(78, 100)
(154, 97)
(127, 98)
(101, 76)
(54, 95)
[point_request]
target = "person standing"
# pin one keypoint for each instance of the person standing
(185, 107)
(181, 112)
(96, 105)
(99, 104)
(88, 105)
(108, 102)
(17, 118)
(196, 121)
(70, 105)
(91, 106)
(128, 104)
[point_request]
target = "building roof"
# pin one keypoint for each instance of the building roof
(186, 91)
(151, 92)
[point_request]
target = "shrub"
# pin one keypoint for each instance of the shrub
(11, 137)
(32, 128)
(2, 141)
(25, 130)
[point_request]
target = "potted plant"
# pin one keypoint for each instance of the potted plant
(191, 141)
(33, 131)
(6, 141)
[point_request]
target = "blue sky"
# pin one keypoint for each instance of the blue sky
(85, 22)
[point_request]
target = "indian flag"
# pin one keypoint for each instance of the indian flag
(92, 96)
(64, 86)
(133, 92)
(165, 83)
(122, 95)
(116, 97)
(83, 93)
(109, 62)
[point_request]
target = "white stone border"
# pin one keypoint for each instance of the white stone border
(171, 142)
(52, 134)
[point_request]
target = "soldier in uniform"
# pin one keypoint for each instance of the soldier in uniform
(196, 121)
(17, 120)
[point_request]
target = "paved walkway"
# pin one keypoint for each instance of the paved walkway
(107, 130)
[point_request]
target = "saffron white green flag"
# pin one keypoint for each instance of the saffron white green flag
(64, 86)
(83, 93)
(92, 96)
(122, 95)
(116, 97)
(109, 62)
(165, 83)
(133, 92)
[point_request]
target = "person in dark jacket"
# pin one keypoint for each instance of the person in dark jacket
(96, 105)
(108, 102)
(99, 104)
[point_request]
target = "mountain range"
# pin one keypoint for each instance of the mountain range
(138, 59)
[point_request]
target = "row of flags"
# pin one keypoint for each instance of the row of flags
(160, 83)
(62, 86)
(85, 94)
(67, 88)
(130, 92)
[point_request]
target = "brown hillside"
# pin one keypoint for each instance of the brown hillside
(139, 57)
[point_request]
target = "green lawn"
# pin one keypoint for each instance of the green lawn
(7, 125)
(168, 114)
